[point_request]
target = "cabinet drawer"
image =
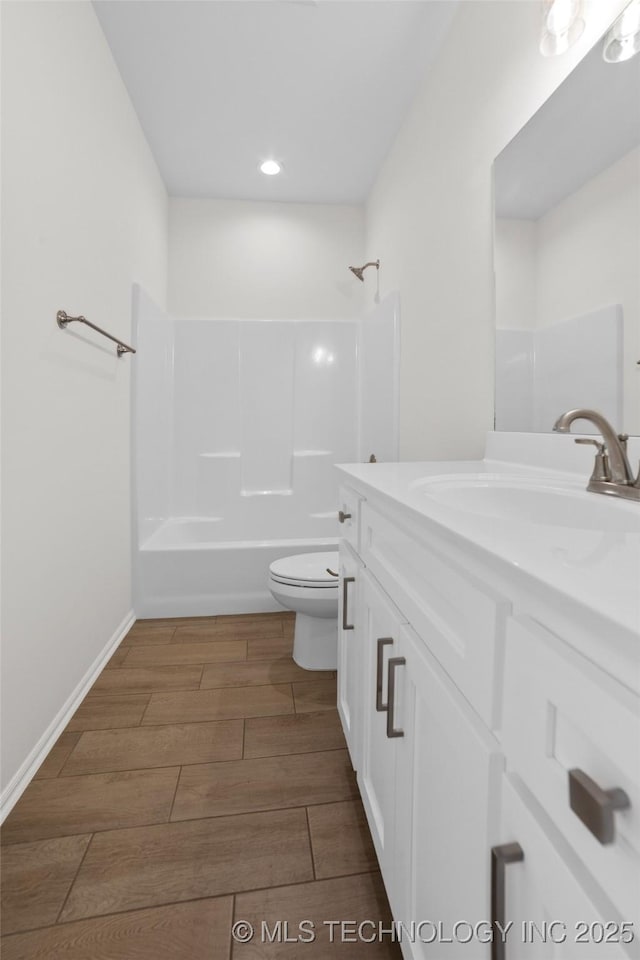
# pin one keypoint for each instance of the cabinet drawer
(349, 516)
(563, 714)
(460, 619)
(550, 912)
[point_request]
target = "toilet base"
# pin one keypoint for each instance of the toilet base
(315, 642)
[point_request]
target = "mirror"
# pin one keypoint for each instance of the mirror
(567, 254)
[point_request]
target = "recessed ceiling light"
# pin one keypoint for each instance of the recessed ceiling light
(270, 167)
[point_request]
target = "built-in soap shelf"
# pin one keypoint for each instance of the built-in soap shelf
(267, 493)
(312, 453)
(221, 455)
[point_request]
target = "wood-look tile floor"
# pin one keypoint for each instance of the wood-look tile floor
(204, 780)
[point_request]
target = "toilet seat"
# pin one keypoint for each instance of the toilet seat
(303, 584)
(306, 570)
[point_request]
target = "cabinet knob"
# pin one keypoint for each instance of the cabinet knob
(595, 806)
(342, 516)
(500, 857)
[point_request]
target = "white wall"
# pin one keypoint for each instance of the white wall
(429, 217)
(561, 271)
(515, 264)
(588, 254)
(83, 217)
(152, 420)
(244, 259)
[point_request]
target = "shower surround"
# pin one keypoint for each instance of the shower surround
(237, 427)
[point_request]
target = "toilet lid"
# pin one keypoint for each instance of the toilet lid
(307, 568)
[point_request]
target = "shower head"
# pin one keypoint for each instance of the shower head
(359, 271)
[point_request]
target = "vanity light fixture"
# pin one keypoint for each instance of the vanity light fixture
(270, 167)
(623, 40)
(562, 25)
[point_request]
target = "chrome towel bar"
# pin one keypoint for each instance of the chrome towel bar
(63, 319)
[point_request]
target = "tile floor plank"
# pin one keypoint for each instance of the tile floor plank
(340, 839)
(57, 756)
(315, 695)
(118, 657)
(255, 673)
(148, 679)
(222, 704)
(186, 653)
(106, 792)
(105, 713)
(265, 618)
(182, 931)
(269, 648)
(126, 869)
(149, 631)
(357, 898)
(136, 748)
(271, 783)
(36, 878)
(221, 629)
(70, 805)
(302, 733)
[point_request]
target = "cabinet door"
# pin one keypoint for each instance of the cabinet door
(350, 651)
(448, 787)
(376, 773)
(563, 716)
(551, 914)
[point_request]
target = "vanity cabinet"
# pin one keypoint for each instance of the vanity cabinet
(424, 756)
(350, 649)
(382, 623)
(467, 718)
(448, 769)
(549, 911)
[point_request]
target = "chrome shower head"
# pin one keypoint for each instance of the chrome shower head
(359, 271)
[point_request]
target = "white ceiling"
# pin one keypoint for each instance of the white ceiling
(587, 124)
(321, 85)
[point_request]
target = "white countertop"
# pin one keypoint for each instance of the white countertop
(598, 569)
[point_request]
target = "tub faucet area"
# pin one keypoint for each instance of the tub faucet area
(612, 473)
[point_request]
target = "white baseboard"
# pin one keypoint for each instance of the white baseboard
(23, 776)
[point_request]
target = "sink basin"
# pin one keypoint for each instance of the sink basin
(544, 502)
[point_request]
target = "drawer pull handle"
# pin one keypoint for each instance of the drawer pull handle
(596, 806)
(345, 602)
(382, 643)
(394, 663)
(342, 516)
(500, 857)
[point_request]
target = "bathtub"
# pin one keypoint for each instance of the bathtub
(198, 566)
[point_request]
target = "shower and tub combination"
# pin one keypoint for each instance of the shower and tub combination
(237, 427)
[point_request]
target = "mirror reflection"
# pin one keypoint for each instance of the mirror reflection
(567, 254)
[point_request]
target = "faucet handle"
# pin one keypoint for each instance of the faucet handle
(623, 437)
(601, 471)
(595, 443)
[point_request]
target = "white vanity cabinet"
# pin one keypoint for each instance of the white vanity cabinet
(350, 649)
(548, 911)
(469, 707)
(427, 764)
(382, 624)
(564, 720)
(448, 769)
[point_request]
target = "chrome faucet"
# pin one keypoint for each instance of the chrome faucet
(612, 472)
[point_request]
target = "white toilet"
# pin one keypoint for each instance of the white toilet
(308, 584)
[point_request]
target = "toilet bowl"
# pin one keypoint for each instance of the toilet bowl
(303, 583)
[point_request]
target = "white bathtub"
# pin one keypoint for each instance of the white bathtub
(197, 566)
